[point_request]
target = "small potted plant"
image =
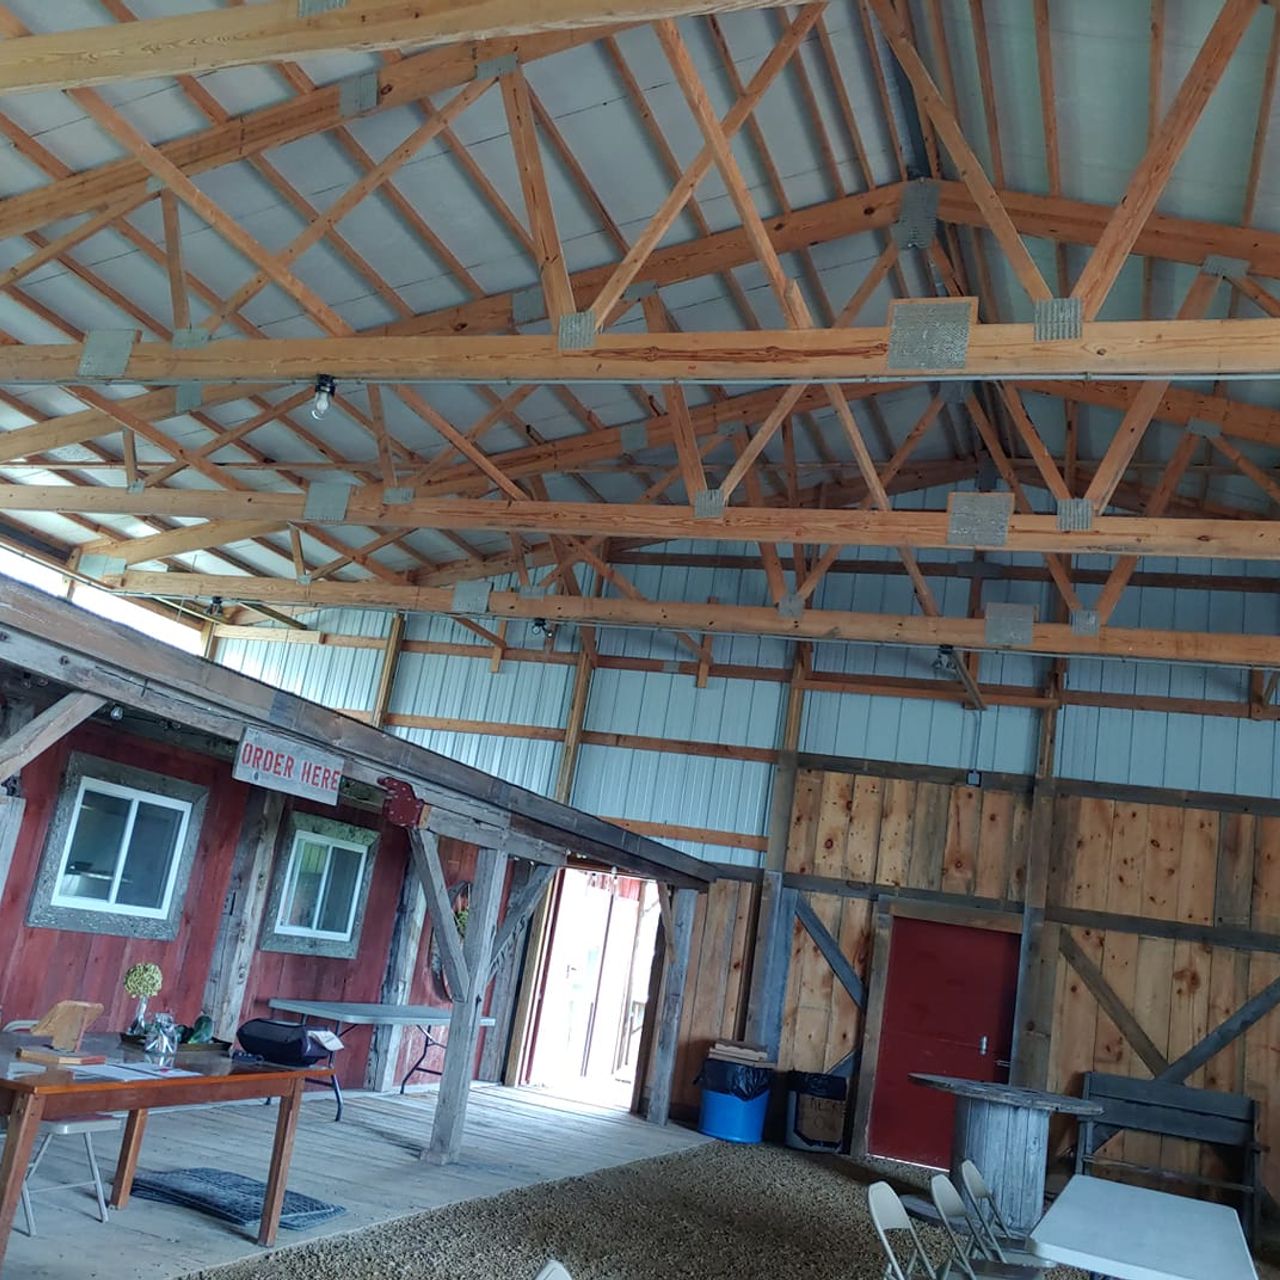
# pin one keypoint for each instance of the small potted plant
(142, 981)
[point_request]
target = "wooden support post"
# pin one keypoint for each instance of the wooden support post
(242, 912)
(11, 810)
(50, 726)
(771, 950)
(672, 1005)
(397, 983)
(464, 1023)
(1038, 953)
(387, 671)
(424, 850)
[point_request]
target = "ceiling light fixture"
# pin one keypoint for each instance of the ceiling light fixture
(326, 389)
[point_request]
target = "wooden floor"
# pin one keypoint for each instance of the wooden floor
(368, 1163)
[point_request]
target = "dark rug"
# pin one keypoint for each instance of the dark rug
(230, 1197)
(718, 1212)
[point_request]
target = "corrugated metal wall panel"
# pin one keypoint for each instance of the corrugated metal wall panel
(345, 679)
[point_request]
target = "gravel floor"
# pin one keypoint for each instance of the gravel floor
(719, 1212)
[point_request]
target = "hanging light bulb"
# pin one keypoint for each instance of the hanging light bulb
(326, 388)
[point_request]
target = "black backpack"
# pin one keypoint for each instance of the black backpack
(286, 1044)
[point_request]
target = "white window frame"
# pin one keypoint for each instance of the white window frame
(109, 906)
(292, 869)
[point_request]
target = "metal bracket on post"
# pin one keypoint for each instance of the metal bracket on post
(639, 291)
(101, 566)
(1074, 515)
(708, 504)
(105, 353)
(188, 396)
(577, 331)
(917, 221)
(979, 519)
(310, 8)
(397, 496)
(187, 339)
(1085, 622)
(956, 392)
(1059, 319)
(528, 306)
(1218, 264)
(492, 68)
(791, 607)
(633, 436)
(358, 95)
(471, 597)
(326, 503)
(929, 335)
(1203, 428)
(1009, 624)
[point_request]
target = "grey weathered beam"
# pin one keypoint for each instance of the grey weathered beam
(468, 1006)
(424, 850)
(245, 904)
(12, 809)
(52, 725)
(493, 835)
(66, 644)
(831, 952)
(1037, 953)
(672, 1005)
(1253, 1010)
(1112, 1005)
(772, 960)
(520, 907)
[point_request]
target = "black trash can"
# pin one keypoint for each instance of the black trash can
(815, 1111)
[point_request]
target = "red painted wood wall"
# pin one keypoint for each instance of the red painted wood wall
(38, 967)
(303, 977)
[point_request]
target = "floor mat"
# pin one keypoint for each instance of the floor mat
(229, 1196)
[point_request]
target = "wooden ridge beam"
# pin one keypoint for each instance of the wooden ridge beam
(829, 625)
(927, 530)
(1184, 349)
(191, 44)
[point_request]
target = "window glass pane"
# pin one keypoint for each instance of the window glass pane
(95, 845)
(309, 858)
(344, 875)
(152, 849)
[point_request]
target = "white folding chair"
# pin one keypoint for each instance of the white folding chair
(966, 1252)
(999, 1241)
(553, 1271)
(73, 1126)
(887, 1214)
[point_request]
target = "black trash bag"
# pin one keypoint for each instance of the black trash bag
(736, 1078)
(818, 1085)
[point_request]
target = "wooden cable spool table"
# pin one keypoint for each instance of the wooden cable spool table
(1004, 1130)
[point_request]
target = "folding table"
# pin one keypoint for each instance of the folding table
(1131, 1233)
(348, 1014)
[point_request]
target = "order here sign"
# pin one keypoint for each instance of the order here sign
(281, 764)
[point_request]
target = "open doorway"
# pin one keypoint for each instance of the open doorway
(595, 986)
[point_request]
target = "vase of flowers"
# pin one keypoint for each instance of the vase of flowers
(142, 981)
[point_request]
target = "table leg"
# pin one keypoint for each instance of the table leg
(281, 1154)
(20, 1138)
(127, 1165)
(427, 1044)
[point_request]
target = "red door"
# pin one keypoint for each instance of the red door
(948, 1010)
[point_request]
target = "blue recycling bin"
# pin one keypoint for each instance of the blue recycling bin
(735, 1100)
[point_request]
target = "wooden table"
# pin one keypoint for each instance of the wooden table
(54, 1093)
(1004, 1130)
(1131, 1233)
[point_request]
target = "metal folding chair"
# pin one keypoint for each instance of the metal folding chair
(553, 1271)
(73, 1126)
(998, 1240)
(966, 1251)
(887, 1214)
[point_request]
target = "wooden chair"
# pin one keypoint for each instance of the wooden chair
(73, 1126)
(966, 1244)
(887, 1214)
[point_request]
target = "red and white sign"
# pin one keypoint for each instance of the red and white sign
(281, 764)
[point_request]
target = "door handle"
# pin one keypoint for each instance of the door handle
(1004, 1062)
(982, 1046)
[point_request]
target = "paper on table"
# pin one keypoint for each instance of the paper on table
(131, 1071)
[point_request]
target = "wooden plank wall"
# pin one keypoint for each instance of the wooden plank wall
(717, 983)
(1198, 866)
(896, 832)
(1162, 862)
